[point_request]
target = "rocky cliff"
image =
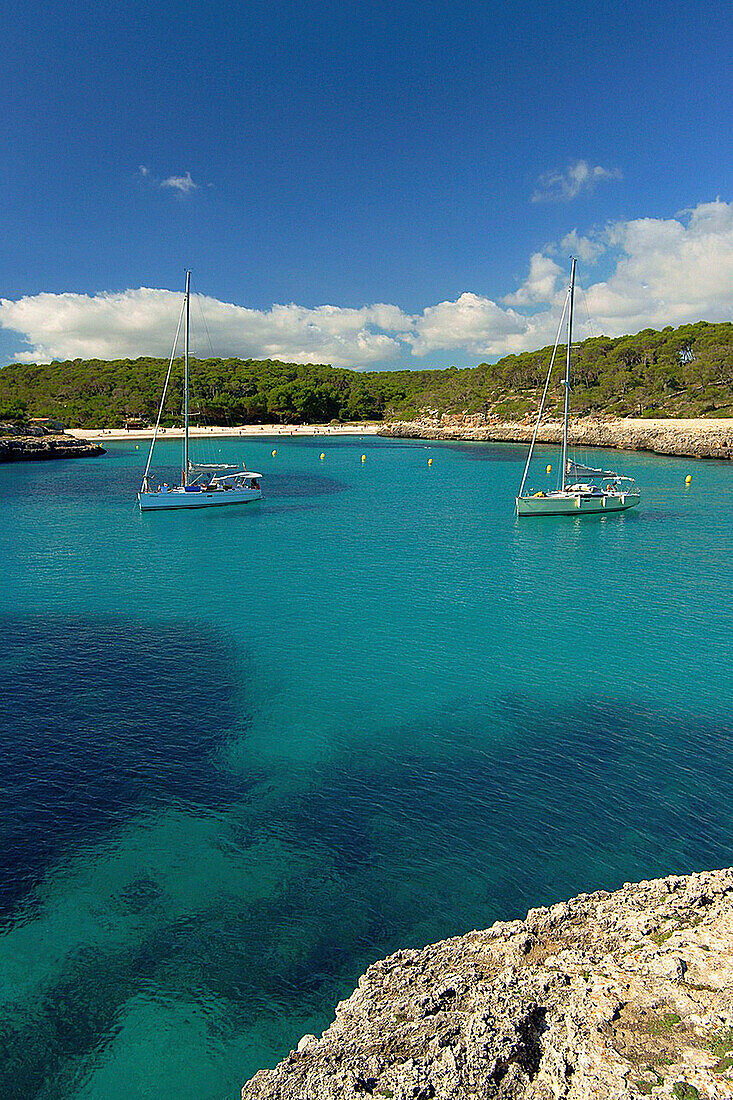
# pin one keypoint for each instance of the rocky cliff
(15, 448)
(692, 438)
(606, 996)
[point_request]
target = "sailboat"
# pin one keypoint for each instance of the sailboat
(202, 485)
(582, 490)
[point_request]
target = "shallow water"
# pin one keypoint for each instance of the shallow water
(246, 752)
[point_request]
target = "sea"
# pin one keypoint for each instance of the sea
(248, 751)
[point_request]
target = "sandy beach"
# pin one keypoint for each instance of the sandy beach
(100, 434)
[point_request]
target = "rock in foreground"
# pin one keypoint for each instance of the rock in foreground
(605, 996)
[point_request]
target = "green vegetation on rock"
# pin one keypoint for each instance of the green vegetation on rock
(682, 1091)
(686, 371)
(721, 1044)
(664, 1023)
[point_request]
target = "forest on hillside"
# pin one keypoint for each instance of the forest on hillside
(687, 371)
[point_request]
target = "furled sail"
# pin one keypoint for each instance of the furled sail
(211, 466)
(578, 472)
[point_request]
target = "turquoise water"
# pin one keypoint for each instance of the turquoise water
(248, 751)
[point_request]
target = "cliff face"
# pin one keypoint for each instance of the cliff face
(605, 996)
(692, 438)
(15, 448)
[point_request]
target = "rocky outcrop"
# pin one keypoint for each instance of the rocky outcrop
(690, 438)
(14, 448)
(609, 995)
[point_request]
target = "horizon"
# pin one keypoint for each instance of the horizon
(368, 187)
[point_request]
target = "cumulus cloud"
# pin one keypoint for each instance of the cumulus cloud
(472, 322)
(668, 271)
(662, 271)
(587, 249)
(541, 283)
(183, 184)
(562, 186)
(142, 322)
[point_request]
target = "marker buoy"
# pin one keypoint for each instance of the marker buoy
(430, 462)
(322, 456)
(137, 446)
(363, 458)
(688, 479)
(274, 453)
(549, 467)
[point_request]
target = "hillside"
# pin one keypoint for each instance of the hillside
(686, 371)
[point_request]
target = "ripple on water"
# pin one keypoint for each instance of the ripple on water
(230, 903)
(429, 716)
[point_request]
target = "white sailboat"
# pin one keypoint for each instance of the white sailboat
(202, 485)
(583, 490)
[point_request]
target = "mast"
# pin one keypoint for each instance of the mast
(185, 382)
(567, 379)
(544, 394)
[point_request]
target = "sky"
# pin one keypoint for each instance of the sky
(367, 184)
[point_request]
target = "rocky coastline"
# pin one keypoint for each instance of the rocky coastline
(603, 997)
(19, 448)
(686, 438)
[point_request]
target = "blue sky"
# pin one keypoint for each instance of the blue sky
(348, 154)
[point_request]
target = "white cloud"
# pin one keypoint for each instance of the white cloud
(669, 271)
(184, 184)
(540, 285)
(142, 322)
(472, 322)
(587, 249)
(559, 186)
(662, 271)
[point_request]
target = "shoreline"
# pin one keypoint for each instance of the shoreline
(243, 431)
(684, 438)
(694, 438)
(606, 995)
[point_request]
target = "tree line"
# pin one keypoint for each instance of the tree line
(686, 371)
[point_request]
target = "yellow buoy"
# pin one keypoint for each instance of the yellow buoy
(363, 458)
(688, 479)
(274, 453)
(430, 462)
(549, 467)
(137, 446)
(322, 456)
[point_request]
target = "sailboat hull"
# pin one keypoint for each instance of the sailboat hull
(180, 498)
(574, 504)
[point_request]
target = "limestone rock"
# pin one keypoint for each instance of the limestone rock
(694, 438)
(15, 448)
(606, 996)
